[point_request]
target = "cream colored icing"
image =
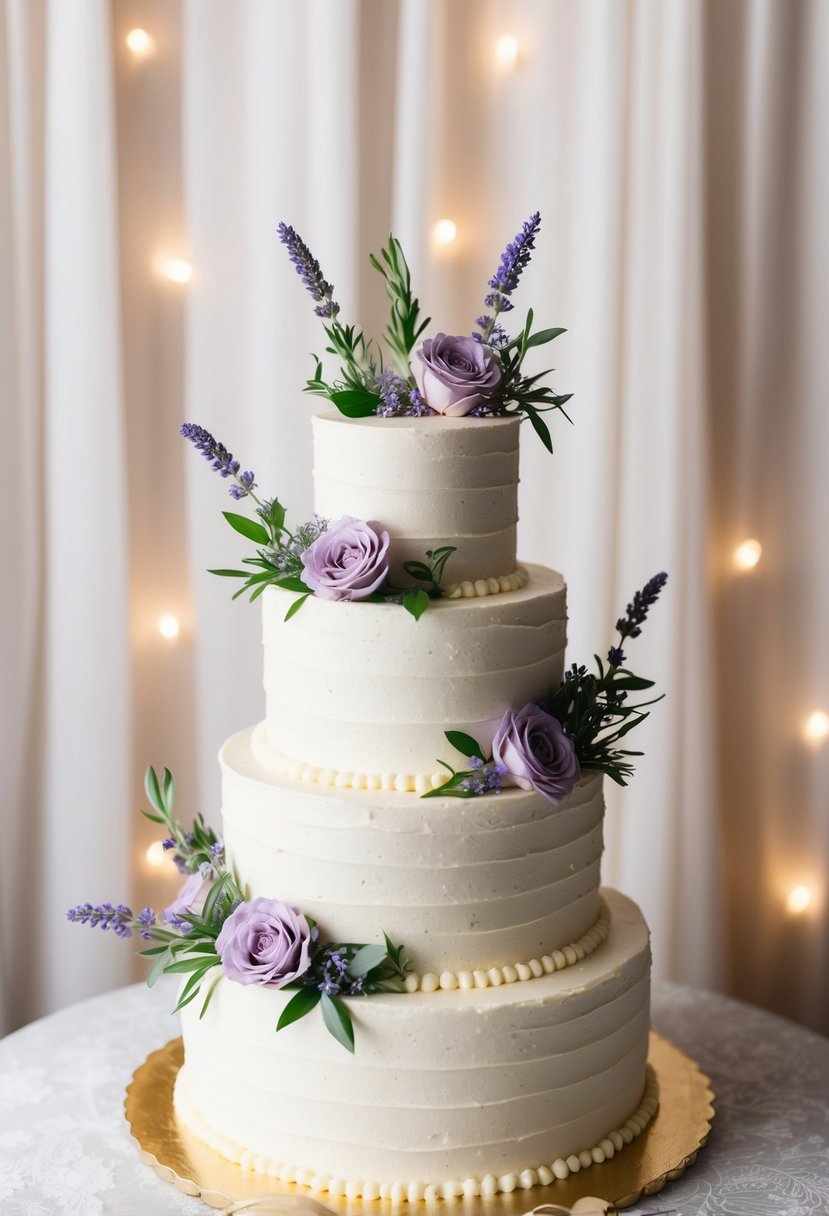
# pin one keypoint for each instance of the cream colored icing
(531, 969)
(428, 482)
(475, 1085)
(488, 586)
(414, 1192)
(465, 884)
(365, 688)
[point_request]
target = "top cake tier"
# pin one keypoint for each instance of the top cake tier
(429, 482)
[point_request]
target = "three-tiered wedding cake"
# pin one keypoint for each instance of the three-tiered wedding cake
(517, 1052)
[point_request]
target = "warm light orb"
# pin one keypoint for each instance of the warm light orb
(445, 232)
(155, 853)
(748, 554)
(140, 43)
(168, 626)
(506, 52)
(177, 270)
(798, 900)
(816, 727)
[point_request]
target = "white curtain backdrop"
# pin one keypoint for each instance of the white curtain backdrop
(66, 733)
(675, 152)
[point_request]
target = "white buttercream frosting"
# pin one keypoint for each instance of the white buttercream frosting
(365, 688)
(467, 1084)
(465, 884)
(428, 482)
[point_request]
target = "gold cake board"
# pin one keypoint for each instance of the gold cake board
(667, 1146)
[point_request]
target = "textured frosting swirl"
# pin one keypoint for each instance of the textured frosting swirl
(449, 1085)
(429, 482)
(364, 688)
(465, 883)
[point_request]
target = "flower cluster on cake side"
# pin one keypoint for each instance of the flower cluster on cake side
(477, 375)
(211, 931)
(547, 745)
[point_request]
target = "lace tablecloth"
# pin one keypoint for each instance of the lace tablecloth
(65, 1149)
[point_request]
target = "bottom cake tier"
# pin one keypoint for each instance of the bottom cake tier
(466, 1091)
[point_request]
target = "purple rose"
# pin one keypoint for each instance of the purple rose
(455, 375)
(537, 753)
(265, 941)
(190, 898)
(348, 561)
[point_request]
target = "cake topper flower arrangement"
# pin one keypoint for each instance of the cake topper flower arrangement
(211, 931)
(547, 745)
(478, 375)
(344, 559)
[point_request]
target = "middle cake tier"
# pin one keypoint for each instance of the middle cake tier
(360, 694)
(467, 885)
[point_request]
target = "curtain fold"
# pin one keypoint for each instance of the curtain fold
(677, 155)
(66, 712)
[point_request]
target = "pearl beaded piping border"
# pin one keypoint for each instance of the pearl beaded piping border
(413, 1192)
(470, 589)
(511, 974)
(309, 774)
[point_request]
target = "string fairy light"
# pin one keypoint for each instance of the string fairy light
(747, 554)
(155, 853)
(799, 900)
(444, 232)
(816, 727)
(140, 43)
(169, 626)
(506, 52)
(177, 270)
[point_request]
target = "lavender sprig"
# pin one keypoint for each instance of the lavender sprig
(119, 919)
(486, 776)
(220, 459)
(398, 399)
(308, 269)
(630, 625)
(514, 261)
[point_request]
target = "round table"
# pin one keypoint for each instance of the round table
(65, 1149)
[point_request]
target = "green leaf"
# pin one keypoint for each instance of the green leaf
(191, 988)
(153, 790)
(187, 964)
(249, 528)
(355, 403)
(229, 573)
(632, 683)
(366, 959)
(465, 744)
(277, 516)
(152, 951)
(337, 1020)
(542, 336)
(153, 818)
(540, 427)
(299, 1005)
(168, 789)
(292, 583)
(210, 992)
(418, 570)
(296, 605)
(213, 897)
(158, 968)
(416, 602)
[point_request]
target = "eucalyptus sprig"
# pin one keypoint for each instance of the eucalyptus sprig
(345, 969)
